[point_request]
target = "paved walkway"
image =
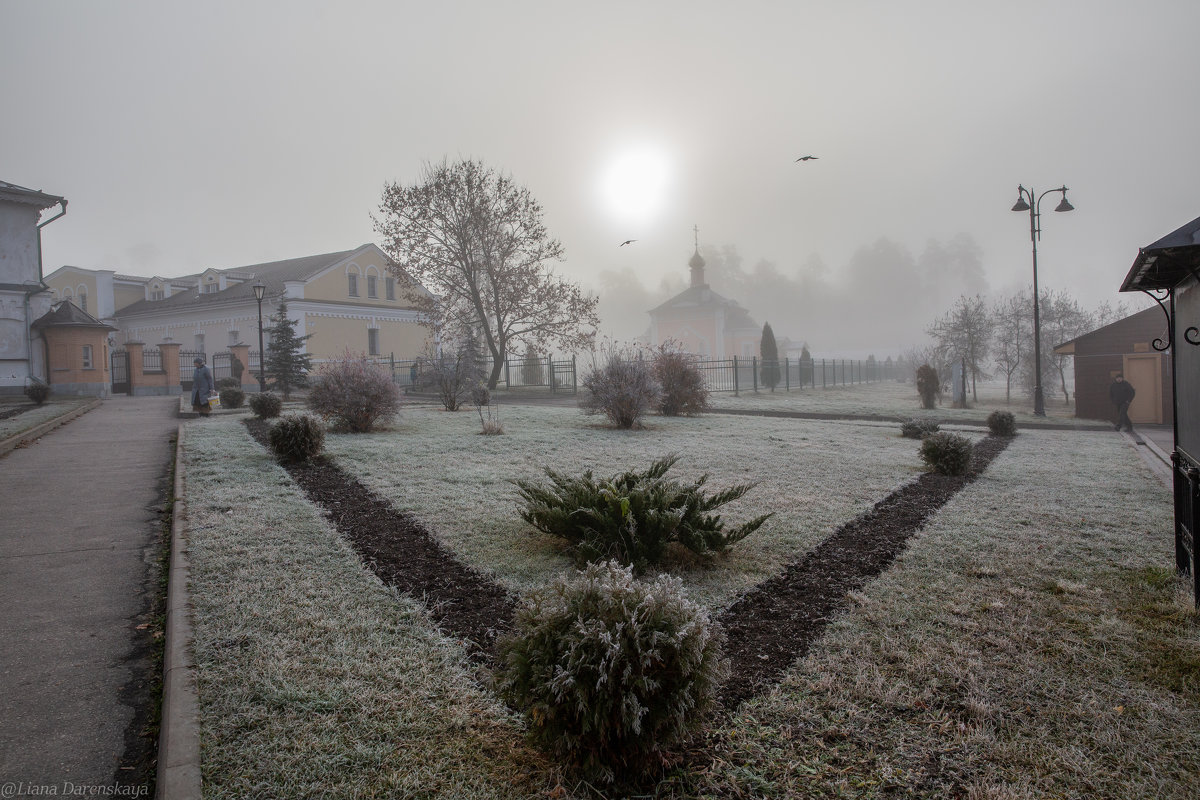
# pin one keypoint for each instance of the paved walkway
(78, 523)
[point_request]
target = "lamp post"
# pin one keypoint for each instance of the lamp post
(1026, 202)
(259, 291)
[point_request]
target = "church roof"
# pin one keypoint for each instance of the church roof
(703, 297)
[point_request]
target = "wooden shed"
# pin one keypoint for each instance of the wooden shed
(1125, 346)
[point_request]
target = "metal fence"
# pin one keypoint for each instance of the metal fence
(152, 360)
(555, 374)
(734, 375)
(789, 374)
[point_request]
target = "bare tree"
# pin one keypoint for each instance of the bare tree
(1063, 319)
(965, 333)
(476, 240)
(1013, 321)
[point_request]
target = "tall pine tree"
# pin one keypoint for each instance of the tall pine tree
(287, 364)
(770, 358)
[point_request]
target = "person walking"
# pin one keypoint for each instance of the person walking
(202, 387)
(1121, 393)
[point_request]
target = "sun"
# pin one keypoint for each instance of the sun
(634, 183)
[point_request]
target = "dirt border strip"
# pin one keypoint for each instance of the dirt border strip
(976, 423)
(403, 553)
(38, 431)
(179, 737)
(772, 625)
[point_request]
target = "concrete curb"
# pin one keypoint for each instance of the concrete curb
(1154, 458)
(38, 431)
(179, 735)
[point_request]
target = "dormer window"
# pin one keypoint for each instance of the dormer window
(211, 288)
(353, 288)
(372, 290)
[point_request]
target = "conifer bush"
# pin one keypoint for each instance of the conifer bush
(232, 398)
(611, 671)
(681, 383)
(946, 453)
(229, 383)
(37, 391)
(632, 517)
(266, 405)
(623, 388)
(928, 385)
(296, 438)
(1002, 423)
(918, 428)
(354, 394)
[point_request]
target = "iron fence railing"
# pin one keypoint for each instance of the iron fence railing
(152, 360)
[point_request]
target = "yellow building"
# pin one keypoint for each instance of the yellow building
(345, 301)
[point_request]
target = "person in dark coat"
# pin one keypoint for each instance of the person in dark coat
(1121, 393)
(202, 387)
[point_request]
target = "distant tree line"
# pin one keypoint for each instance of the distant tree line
(999, 336)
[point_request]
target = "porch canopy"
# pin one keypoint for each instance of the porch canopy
(1168, 262)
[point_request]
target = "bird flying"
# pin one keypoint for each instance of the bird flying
(807, 158)
(627, 241)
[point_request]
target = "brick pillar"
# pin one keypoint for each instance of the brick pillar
(137, 378)
(170, 363)
(242, 353)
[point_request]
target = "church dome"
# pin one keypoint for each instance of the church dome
(696, 261)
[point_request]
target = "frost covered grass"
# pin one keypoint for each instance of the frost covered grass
(314, 679)
(899, 400)
(36, 415)
(815, 476)
(1032, 642)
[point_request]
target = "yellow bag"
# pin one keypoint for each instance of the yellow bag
(214, 401)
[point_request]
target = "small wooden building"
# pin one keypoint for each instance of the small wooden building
(1125, 346)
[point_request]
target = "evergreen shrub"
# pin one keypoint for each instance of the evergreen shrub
(918, 428)
(265, 405)
(946, 453)
(611, 671)
(682, 385)
(1002, 423)
(632, 517)
(354, 394)
(232, 398)
(37, 391)
(623, 388)
(297, 438)
(928, 385)
(229, 383)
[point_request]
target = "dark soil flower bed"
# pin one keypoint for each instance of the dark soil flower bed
(768, 628)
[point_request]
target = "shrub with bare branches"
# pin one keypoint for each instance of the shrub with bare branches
(623, 388)
(354, 394)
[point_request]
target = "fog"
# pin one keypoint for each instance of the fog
(223, 134)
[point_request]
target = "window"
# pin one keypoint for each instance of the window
(371, 288)
(372, 341)
(233, 338)
(83, 301)
(87, 356)
(156, 294)
(211, 288)
(390, 284)
(199, 343)
(353, 285)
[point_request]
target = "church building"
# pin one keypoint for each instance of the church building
(703, 322)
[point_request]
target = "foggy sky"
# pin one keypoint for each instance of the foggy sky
(219, 134)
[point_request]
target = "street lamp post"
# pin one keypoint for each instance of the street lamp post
(1026, 202)
(259, 291)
